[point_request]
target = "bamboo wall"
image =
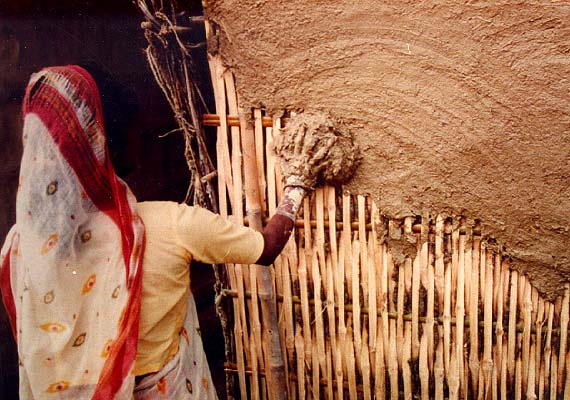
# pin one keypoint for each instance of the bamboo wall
(454, 322)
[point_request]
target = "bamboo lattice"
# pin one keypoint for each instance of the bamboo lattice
(453, 322)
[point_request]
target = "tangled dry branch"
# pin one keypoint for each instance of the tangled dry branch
(170, 59)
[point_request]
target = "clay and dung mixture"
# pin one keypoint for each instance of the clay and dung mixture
(314, 148)
(459, 107)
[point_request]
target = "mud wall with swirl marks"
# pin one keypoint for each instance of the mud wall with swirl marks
(461, 108)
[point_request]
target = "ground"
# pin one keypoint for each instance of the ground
(461, 108)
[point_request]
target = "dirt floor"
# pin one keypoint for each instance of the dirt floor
(461, 107)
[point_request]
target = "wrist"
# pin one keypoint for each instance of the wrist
(291, 201)
(299, 182)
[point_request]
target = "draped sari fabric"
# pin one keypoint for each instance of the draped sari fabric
(72, 263)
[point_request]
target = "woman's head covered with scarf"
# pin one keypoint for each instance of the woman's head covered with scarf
(71, 266)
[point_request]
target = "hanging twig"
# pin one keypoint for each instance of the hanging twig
(170, 60)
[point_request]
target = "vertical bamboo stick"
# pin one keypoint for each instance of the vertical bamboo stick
(393, 362)
(567, 381)
(318, 261)
(439, 375)
(415, 299)
(225, 185)
(447, 306)
(531, 388)
(526, 314)
(356, 301)
(222, 147)
(305, 313)
(460, 313)
(381, 355)
(259, 152)
(439, 265)
(487, 263)
(316, 378)
(406, 356)
(368, 263)
(365, 362)
(424, 367)
(518, 379)
(453, 376)
(274, 366)
(512, 325)
(319, 354)
(400, 312)
(564, 318)
(255, 330)
(329, 371)
(476, 265)
(300, 362)
(499, 312)
(236, 165)
(494, 383)
(547, 345)
(335, 286)
(351, 363)
(430, 287)
(396, 333)
(503, 389)
(554, 377)
(539, 322)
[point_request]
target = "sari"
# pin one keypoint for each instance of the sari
(72, 264)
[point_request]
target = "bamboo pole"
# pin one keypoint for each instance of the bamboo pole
(300, 351)
(318, 257)
(547, 346)
(315, 373)
(526, 313)
(460, 314)
(512, 325)
(554, 377)
(351, 363)
(500, 274)
(487, 364)
(476, 265)
(382, 322)
(416, 267)
(429, 325)
(275, 370)
(447, 287)
(406, 356)
(439, 373)
(564, 318)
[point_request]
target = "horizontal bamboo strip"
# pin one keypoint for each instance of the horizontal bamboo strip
(232, 120)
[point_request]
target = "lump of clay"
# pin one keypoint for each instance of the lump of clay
(315, 150)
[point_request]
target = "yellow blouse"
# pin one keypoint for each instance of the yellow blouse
(176, 234)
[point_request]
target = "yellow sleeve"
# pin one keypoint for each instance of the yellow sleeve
(212, 239)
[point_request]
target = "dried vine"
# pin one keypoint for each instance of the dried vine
(170, 60)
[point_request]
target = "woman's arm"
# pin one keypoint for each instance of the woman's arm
(278, 230)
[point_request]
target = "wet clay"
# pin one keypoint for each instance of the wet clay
(314, 148)
(460, 108)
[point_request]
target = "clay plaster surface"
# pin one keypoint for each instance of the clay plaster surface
(460, 107)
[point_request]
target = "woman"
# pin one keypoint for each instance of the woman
(96, 285)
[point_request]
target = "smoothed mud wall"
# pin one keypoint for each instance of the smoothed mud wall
(460, 108)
